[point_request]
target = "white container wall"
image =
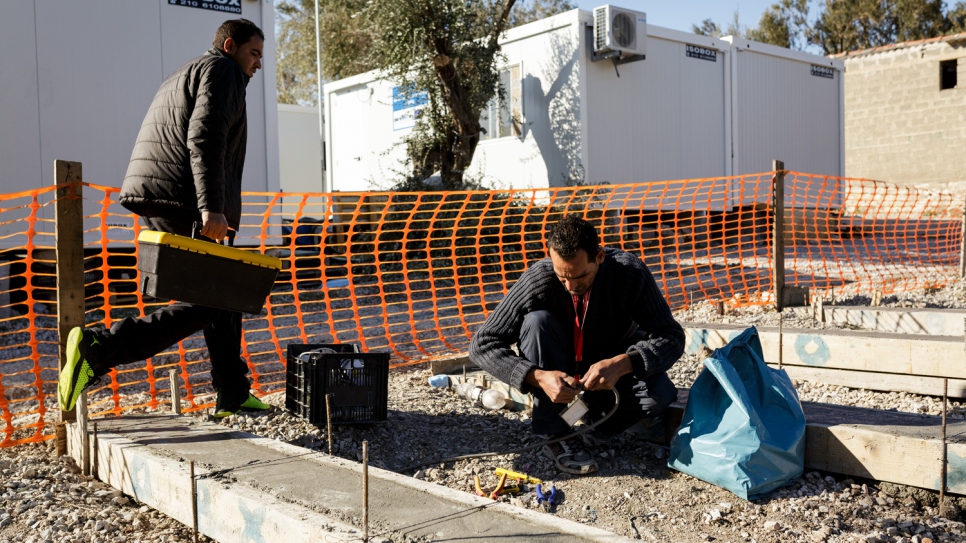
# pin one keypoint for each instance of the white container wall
(787, 105)
(79, 77)
(299, 149)
(665, 117)
(696, 107)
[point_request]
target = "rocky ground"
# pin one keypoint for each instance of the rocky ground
(43, 498)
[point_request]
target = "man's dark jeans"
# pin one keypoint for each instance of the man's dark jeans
(134, 339)
(542, 340)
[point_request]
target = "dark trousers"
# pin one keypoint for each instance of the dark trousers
(542, 340)
(134, 339)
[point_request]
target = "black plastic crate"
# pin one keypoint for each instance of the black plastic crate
(358, 383)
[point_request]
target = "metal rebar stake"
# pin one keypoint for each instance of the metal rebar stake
(328, 419)
(175, 392)
(194, 503)
(85, 439)
(942, 478)
(365, 491)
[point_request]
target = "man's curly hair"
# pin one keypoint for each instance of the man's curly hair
(571, 234)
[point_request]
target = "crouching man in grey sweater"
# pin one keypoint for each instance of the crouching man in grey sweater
(587, 318)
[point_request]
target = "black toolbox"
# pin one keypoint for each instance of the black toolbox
(200, 272)
(358, 383)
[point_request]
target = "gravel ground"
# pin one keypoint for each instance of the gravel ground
(43, 498)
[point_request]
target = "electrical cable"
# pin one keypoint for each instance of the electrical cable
(617, 402)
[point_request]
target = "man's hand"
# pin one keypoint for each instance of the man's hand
(214, 225)
(559, 387)
(604, 374)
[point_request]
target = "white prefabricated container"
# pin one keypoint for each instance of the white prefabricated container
(674, 115)
(299, 149)
(78, 78)
(788, 105)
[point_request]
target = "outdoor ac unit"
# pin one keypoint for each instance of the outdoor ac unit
(619, 30)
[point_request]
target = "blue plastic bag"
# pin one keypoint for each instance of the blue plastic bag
(743, 427)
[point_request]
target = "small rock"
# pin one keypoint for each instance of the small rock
(821, 534)
(725, 507)
(518, 502)
(771, 526)
(715, 515)
(29, 473)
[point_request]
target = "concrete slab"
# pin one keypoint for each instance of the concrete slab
(257, 489)
(857, 351)
(901, 320)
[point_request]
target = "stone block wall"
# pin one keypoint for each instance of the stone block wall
(899, 125)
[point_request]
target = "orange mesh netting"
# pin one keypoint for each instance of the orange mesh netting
(416, 273)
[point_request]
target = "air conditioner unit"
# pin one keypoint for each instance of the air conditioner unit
(619, 30)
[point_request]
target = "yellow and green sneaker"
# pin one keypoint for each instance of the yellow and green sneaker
(78, 373)
(250, 404)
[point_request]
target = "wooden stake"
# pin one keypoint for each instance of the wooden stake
(81, 409)
(61, 438)
(175, 392)
(94, 462)
(328, 419)
(365, 491)
(781, 338)
(778, 234)
(69, 251)
(194, 503)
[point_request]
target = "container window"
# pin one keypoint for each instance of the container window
(947, 74)
(504, 118)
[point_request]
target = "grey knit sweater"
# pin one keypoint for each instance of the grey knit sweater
(624, 296)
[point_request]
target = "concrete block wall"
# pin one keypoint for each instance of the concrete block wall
(899, 125)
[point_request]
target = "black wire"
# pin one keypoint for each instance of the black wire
(617, 401)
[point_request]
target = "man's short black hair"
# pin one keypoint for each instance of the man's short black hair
(571, 234)
(240, 30)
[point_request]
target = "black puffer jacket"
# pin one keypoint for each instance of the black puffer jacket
(190, 151)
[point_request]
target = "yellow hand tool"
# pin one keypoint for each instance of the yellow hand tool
(520, 477)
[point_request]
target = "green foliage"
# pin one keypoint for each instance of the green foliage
(710, 28)
(449, 49)
(956, 18)
(846, 25)
(345, 43)
(783, 24)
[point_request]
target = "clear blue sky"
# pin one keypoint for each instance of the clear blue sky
(681, 14)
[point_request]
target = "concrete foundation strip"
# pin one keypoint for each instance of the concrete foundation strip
(253, 489)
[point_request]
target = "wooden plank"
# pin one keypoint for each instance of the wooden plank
(69, 240)
(899, 320)
(451, 364)
(931, 386)
(900, 448)
(778, 234)
(922, 355)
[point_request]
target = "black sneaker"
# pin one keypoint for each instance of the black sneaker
(224, 408)
(570, 456)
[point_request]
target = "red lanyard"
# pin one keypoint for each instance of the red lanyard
(579, 321)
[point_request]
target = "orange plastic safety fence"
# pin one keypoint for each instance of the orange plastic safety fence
(417, 273)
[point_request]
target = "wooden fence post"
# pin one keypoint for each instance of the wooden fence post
(69, 242)
(778, 234)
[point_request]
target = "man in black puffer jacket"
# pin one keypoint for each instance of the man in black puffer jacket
(186, 168)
